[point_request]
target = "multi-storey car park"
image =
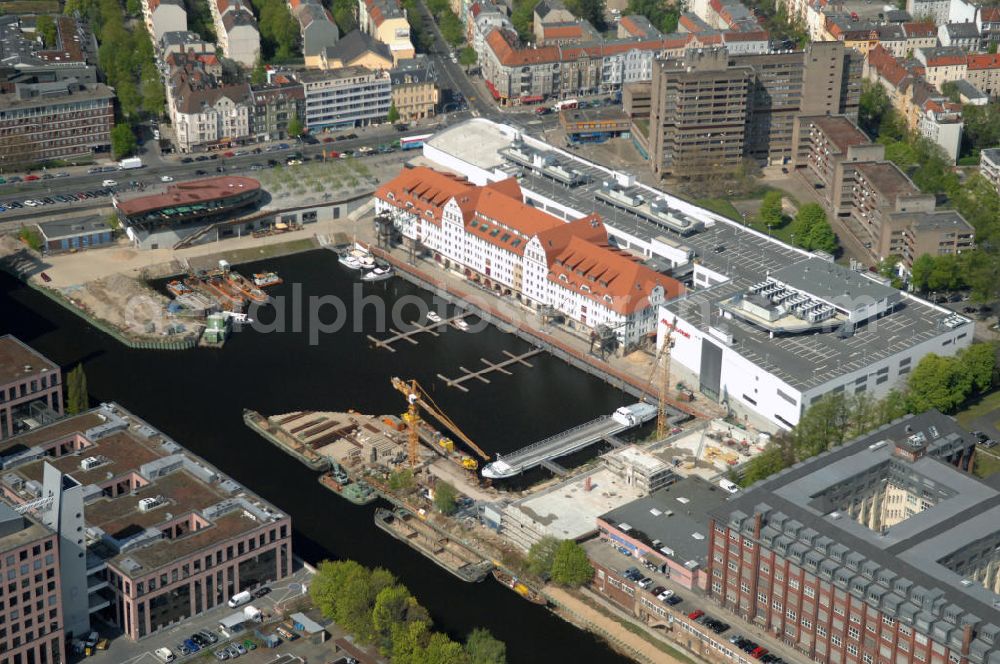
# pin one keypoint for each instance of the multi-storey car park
(845, 332)
(149, 534)
(884, 549)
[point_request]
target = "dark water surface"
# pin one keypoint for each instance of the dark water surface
(198, 396)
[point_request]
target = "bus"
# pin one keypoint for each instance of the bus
(413, 142)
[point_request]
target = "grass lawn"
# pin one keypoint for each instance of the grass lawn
(720, 206)
(986, 405)
(986, 464)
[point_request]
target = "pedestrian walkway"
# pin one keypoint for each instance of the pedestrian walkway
(609, 628)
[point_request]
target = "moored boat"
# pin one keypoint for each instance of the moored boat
(461, 324)
(433, 543)
(178, 288)
(433, 316)
(377, 274)
(521, 588)
(337, 481)
(245, 286)
(266, 279)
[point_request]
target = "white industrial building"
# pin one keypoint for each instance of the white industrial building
(829, 329)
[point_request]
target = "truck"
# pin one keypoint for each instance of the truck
(239, 599)
(253, 613)
(129, 164)
(566, 104)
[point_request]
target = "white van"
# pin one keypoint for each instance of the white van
(164, 654)
(239, 599)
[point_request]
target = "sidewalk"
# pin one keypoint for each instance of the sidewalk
(608, 628)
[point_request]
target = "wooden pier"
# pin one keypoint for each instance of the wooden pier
(490, 367)
(409, 334)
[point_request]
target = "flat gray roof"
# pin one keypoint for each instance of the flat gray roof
(829, 281)
(904, 561)
(57, 229)
(676, 517)
(727, 247)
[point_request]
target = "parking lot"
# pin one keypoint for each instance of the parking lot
(271, 605)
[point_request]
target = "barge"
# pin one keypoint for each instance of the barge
(274, 435)
(355, 491)
(439, 546)
(521, 588)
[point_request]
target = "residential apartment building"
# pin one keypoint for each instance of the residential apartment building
(184, 42)
(880, 206)
(346, 97)
(317, 27)
(849, 558)
(55, 120)
(698, 117)
(989, 166)
(640, 469)
(273, 107)
(357, 49)
(924, 108)
(961, 35)
(385, 20)
(415, 92)
(236, 29)
(498, 240)
(210, 116)
(936, 11)
(942, 64)
(30, 386)
(31, 614)
(983, 71)
(149, 534)
(163, 16)
(988, 22)
(919, 35)
(549, 12)
(710, 109)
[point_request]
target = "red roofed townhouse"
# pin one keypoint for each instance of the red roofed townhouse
(491, 235)
(983, 71)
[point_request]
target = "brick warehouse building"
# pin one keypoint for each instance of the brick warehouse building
(882, 550)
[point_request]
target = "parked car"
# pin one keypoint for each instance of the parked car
(30, 178)
(222, 654)
(249, 644)
(109, 183)
(665, 595)
(212, 638)
(645, 582)
(164, 654)
(260, 592)
(166, 178)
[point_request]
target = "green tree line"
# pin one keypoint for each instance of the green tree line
(373, 606)
(937, 382)
(125, 55)
(279, 31)
(563, 561)
(449, 24)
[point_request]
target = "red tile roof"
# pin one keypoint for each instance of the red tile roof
(503, 46)
(186, 193)
(990, 14)
(984, 61)
(609, 276)
(887, 66)
(920, 29)
(425, 189)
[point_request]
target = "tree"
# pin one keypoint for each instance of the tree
(445, 498)
(978, 362)
(343, 14)
(770, 209)
(123, 141)
(950, 90)
(808, 216)
(541, 554)
(920, 272)
(442, 650)
(112, 221)
(45, 26)
(570, 565)
(467, 56)
(259, 74)
(937, 382)
(394, 606)
(483, 648)
(822, 238)
(294, 127)
(402, 480)
(589, 10)
(77, 400)
(31, 237)
(393, 115)
(662, 15)
(946, 274)
(765, 464)
(153, 97)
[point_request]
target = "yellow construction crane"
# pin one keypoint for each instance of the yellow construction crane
(661, 370)
(417, 399)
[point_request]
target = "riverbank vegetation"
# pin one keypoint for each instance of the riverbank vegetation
(373, 606)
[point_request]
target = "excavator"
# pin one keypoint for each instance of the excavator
(418, 400)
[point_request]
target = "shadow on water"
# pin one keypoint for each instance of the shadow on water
(198, 397)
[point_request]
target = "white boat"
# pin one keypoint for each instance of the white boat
(349, 261)
(433, 317)
(378, 274)
(461, 324)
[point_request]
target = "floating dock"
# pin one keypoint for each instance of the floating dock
(434, 543)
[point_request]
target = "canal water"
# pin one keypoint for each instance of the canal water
(198, 397)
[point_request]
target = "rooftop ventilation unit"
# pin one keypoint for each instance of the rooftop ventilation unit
(92, 462)
(148, 504)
